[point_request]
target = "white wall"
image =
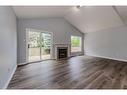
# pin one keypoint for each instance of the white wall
(8, 43)
(110, 43)
(60, 28)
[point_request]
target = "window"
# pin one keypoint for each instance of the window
(76, 44)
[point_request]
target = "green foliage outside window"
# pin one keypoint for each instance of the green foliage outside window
(75, 41)
(36, 41)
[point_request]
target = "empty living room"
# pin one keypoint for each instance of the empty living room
(63, 47)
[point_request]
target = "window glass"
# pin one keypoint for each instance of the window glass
(76, 44)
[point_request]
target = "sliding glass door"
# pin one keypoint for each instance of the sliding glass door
(34, 46)
(39, 45)
(45, 46)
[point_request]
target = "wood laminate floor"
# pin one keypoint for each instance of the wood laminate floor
(82, 72)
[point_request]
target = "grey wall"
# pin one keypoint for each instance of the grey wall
(60, 28)
(8, 49)
(111, 43)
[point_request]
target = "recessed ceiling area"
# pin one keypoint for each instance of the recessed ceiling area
(86, 18)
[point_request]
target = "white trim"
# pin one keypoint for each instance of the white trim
(10, 77)
(27, 31)
(106, 57)
(22, 63)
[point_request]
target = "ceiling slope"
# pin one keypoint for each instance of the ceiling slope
(86, 18)
(122, 11)
(91, 19)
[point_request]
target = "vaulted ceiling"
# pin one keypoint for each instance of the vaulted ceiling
(40, 11)
(86, 18)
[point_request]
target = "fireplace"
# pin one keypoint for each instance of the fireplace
(62, 52)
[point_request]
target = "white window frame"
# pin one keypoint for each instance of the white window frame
(80, 44)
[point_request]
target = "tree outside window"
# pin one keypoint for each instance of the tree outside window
(76, 44)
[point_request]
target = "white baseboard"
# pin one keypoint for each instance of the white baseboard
(10, 77)
(106, 57)
(21, 64)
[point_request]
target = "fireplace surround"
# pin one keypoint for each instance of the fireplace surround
(61, 51)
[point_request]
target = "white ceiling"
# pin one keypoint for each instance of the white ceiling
(86, 19)
(89, 19)
(40, 11)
